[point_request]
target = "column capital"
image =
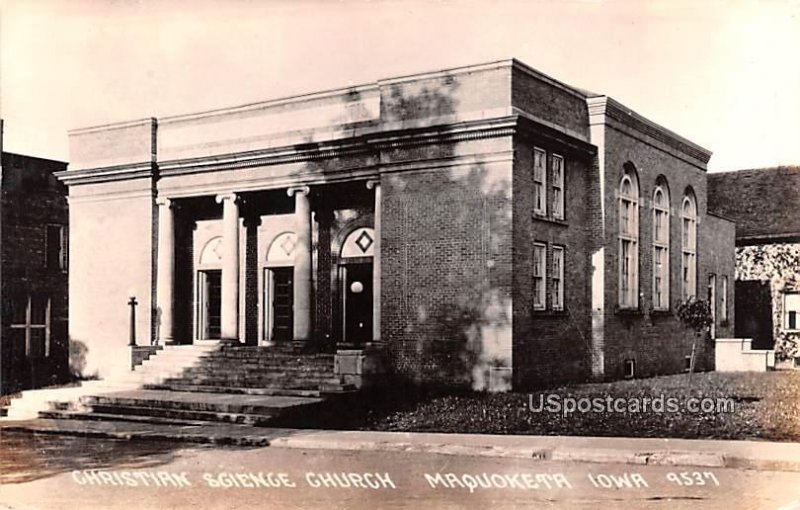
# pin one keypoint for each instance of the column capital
(165, 202)
(235, 197)
(372, 183)
(303, 190)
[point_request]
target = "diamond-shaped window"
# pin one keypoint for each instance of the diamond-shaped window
(364, 241)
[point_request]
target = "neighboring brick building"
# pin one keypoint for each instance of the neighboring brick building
(34, 348)
(765, 204)
(465, 220)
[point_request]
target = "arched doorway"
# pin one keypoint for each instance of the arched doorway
(209, 291)
(355, 284)
(278, 280)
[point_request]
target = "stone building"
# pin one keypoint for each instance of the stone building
(34, 350)
(485, 225)
(764, 203)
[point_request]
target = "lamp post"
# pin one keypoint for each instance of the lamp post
(132, 303)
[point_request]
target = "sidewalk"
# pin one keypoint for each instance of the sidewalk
(672, 452)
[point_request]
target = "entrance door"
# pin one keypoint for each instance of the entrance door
(282, 304)
(357, 295)
(211, 303)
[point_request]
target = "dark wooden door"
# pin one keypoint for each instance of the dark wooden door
(213, 303)
(282, 304)
(358, 303)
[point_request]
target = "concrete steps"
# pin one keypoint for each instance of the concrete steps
(267, 391)
(737, 355)
(190, 384)
(186, 408)
(94, 416)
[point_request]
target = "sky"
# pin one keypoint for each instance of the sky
(725, 74)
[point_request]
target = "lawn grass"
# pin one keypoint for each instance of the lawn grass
(766, 406)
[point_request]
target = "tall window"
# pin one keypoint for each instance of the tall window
(629, 240)
(689, 250)
(791, 310)
(30, 318)
(539, 257)
(56, 247)
(557, 278)
(661, 248)
(723, 299)
(539, 181)
(557, 166)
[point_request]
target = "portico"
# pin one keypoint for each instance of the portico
(265, 263)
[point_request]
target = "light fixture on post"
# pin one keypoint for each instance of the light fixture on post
(132, 304)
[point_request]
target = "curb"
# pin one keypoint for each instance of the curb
(590, 455)
(697, 459)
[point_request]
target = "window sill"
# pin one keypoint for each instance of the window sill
(541, 312)
(549, 219)
(662, 312)
(629, 311)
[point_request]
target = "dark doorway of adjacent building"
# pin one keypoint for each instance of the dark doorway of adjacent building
(754, 313)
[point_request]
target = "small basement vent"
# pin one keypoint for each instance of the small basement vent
(630, 369)
(687, 363)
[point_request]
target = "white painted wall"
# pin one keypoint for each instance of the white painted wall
(110, 256)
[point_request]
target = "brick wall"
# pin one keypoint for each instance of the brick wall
(446, 274)
(32, 199)
(657, 341)
(551, 346)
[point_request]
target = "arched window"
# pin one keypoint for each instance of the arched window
(661, 246)
(629, 239)
(689, 245)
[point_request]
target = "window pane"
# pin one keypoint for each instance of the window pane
(53, 247)
(37, 343)
(19, 305)
(38, 309)
(539, 158)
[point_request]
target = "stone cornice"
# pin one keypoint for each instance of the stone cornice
(281, 155)
(607, 108)
(460, 132)
(108, 174)
(363, 144)
(115, 125)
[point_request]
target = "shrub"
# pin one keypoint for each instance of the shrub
(695, 314)
(787, 346)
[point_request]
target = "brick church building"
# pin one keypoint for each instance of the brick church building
(486, 225)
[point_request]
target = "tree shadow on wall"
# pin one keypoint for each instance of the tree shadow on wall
(458, 279)
(452, 236)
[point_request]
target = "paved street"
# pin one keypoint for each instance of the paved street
(59, 472)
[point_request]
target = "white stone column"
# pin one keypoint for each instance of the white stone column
(376, 262)
(302, 263)
(230, 266)
(165, 284)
